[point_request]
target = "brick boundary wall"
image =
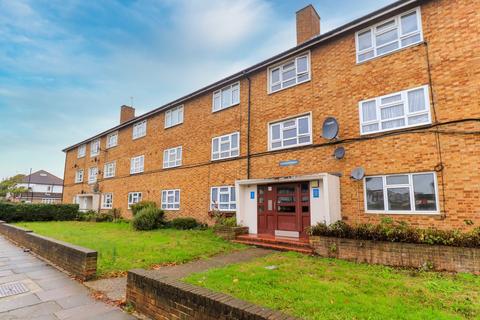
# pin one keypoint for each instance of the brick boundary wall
(78, 261)
(397, 254)
(159, 297)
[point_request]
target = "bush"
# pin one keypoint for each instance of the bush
(148, 218)
(15, 212)
(388, 230)
(223, 222)
(184, 223)
(137, 207)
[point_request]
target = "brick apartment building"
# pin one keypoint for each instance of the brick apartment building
(403, 84)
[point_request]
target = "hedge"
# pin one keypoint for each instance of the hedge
(398, 232)
(15, 212)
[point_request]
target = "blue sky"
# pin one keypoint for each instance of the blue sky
(66, 66)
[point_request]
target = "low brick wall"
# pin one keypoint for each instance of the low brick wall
(230, 233)
(79, 261)
(440, 258)
(161, 298)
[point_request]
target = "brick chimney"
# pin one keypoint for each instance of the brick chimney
(308, 24)
(126, 113)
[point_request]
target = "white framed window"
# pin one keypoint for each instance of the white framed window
(226, 97)
(109, 169)
(403, 109)
(81, 151)
(401, 193)
(95, 148)
(107, 200)
(137, 164)
(389, 35)
(79, 176)
(112, 139)
(48, 200)
(290, 73)
(134, 197)
(174, 116)
(139, 129)
(92, 174)
(171, 199)
(172, 157)
(223, 198)
(227, 146)
(290, 133)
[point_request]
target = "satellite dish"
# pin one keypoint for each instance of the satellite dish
(339, 153)
(357, 173)
(330, 128)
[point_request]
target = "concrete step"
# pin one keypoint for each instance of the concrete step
(274, 246)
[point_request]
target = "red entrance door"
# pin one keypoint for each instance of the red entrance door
(284, 207)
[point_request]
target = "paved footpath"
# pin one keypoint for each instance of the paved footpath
(51, 293)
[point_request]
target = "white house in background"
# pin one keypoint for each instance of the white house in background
(42, 186)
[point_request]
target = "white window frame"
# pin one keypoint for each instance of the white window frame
(398, 25)
(137, 164)
(48, 200)
(92, 178)
(105, 203)
(79, 176)
(280, 67)
(175, 152)
(218, 94)
(281, 122)
(112, 140)
(216, 204)
(411, 193)
(219, 152)
(133, 197)
(139, 129)
(407, 114)
(109, 169)
(178, 111)
(81, 151)
(166, 204)
(95, 148)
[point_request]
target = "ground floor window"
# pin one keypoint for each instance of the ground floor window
(171, 199)
(223, 198)
(48, 200)
(107, 201)
(402, 193)
(134, 197)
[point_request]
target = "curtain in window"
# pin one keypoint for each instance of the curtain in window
(369, 111)
(416, 100)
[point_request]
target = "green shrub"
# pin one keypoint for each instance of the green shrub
(148, 218)
(184, 223)
(137, 207)
(15, 212)
(389, 230)
(222, 222)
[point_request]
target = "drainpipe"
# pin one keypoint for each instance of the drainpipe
(248, 124)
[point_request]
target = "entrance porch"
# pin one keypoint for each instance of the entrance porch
(87, 201)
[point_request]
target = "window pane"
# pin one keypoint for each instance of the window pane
(416, 100)
(399, 199)
(275, 75)
(409, 23)
(393, 124)
(217, 101)
(391, 99)
(374, 189)
(290, 133)
(304, 139)
(411, 39)
(387, 37)
(365, 56)
(364, 40)
(276, 132)
(235, 95)
(392, 112)
(303, 125)
(215, 145)
(276, 87)
(290, 142)
(418, 119)
(289, 83)
(214, 194)
(234, 141)
(369, 111)
(424, 190)
(290, 74)
(226, 97)
(386, 25)
(232, 194)
(302, 65)
(403, 179)
(387, 48)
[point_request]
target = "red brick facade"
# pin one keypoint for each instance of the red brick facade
(446, 61)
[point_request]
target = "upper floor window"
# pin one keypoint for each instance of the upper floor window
(136, 164)
(134, 197)
(402, 109)
(390, 35)
(173, 116)
(95, 148)
(139, 129)
(290, 133)
(227, 146)
(289, 73)
(79, 176)
(82, 150)
(402, 193)
(172, 157)
(223, 198)
(171, 199)
(92, 175)
(109, 170)
(226, 97)
(107, 200)
(112, 139)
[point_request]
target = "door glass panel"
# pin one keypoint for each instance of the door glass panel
(305, 209)
(304, 187)
(286, 190)
(286, 209)
(270, 205)
(286, 199)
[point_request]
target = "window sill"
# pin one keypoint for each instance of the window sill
(419, 126)
(291, 147)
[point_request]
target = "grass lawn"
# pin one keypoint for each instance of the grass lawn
(120, 248)
(317, 288)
